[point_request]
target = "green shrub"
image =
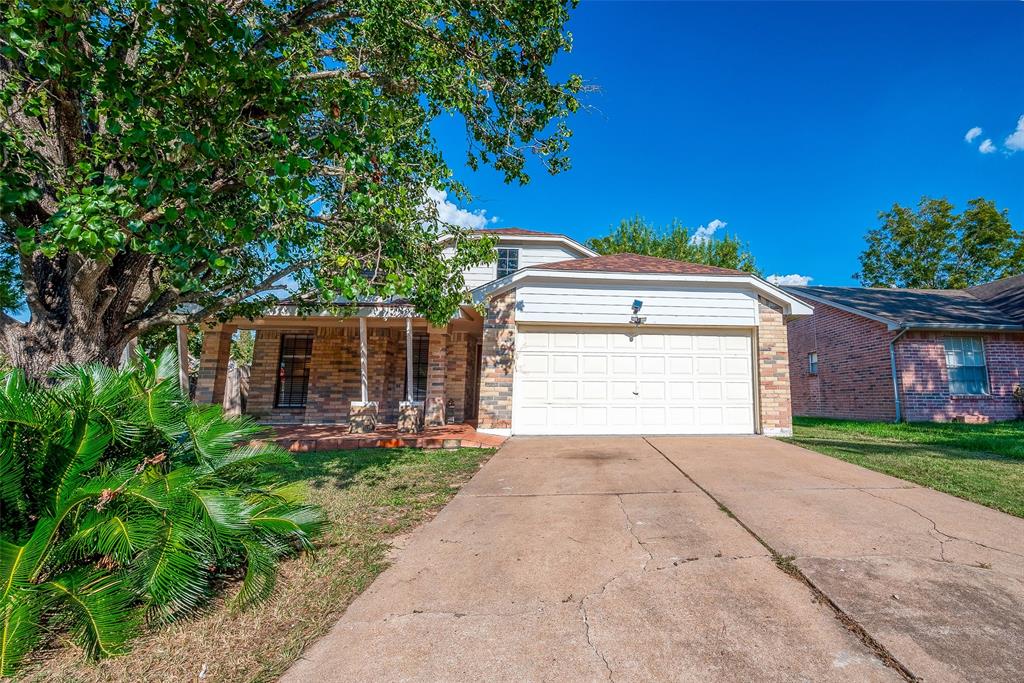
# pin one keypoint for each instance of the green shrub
(123, 504)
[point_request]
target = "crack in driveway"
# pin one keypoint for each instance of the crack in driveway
(786, 566)
(936, 529)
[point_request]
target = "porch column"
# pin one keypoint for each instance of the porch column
(364, 359)
(362, 416)
(410, 413)
(437, 366)
(213, 365)
(409, 379)
(182, 331)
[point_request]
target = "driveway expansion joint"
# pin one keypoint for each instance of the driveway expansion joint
(786, 565)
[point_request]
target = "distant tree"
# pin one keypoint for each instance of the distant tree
(936, 248)
(675, 241)
(242, 345)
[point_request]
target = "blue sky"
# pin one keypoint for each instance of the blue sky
(793, 123)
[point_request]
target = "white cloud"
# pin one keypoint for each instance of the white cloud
(448, 212)
(792, 279)
(972, 133)
(1015, 140)
(704, 233)
(986, 146)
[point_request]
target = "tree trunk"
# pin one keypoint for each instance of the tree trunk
(41, 346)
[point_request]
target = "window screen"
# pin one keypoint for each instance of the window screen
(293, 370)
(965, 363)
(508, 261)
(420, 358)
(812, 363)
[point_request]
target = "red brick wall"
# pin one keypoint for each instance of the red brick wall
(854, 379)
(924, 381)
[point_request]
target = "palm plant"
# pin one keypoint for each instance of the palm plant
(124, 504)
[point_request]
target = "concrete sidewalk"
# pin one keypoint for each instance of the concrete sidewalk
(587, 559)
(936, 580)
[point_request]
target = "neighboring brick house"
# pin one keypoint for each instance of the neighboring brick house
(569, 342)
(909, 354)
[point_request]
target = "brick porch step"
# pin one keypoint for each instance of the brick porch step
(307, 438)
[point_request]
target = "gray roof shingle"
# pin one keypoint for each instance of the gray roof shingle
(938, 308)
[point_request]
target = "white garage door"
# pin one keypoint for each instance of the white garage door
(659, 382)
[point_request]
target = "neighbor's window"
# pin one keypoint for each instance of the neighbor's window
(293, 370)
(812, 362)
(965, 362)
(420, 358)
(508, 261)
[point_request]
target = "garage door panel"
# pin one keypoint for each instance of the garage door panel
(652, 365)
(652, 391)
(534, 389)
(623, 365)
(709, 391)
(564, 391)
(737, 391)
(653, 417)
(619, 416)
(532, 364)
(680, 391)
(657, 382)
(623, 391)
(736, 367)
(594, 391)
(709, 366)
(564, 365)
(679, 365)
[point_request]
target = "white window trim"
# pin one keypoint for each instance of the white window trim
(497, 266)
(984, 364)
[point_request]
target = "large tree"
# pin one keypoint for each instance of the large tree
(675, 241)
(165, 162)
(934, 247)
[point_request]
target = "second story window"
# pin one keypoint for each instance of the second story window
(508, 261)
(812, 362)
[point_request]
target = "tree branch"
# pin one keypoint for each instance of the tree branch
(152, 319)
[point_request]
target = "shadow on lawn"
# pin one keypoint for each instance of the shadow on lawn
(937, 450)
(341, 469)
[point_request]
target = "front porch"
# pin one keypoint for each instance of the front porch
(371, 375)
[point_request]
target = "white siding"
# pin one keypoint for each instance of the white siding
(607, 303)
(529, 255)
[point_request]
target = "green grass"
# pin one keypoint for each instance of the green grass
(370, 496)
(981, 463)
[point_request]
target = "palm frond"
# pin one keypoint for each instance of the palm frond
(260, 575)
(19, 629)
(100, 609)
(173, 575)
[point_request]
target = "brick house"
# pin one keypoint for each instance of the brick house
(568, 342)
(909, 354)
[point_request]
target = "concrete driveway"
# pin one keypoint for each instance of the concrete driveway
(688, 558)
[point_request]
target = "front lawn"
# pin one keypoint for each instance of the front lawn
(369, 496)
(981, 463)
